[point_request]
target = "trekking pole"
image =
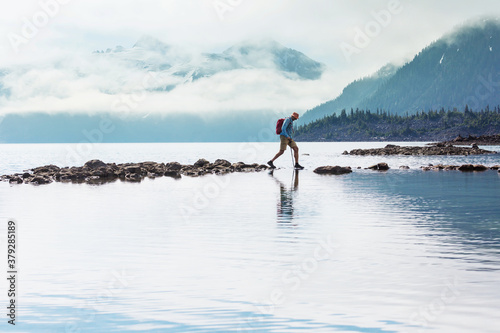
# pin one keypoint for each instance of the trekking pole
(291, 154)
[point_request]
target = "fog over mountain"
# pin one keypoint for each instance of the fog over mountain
(153, 91)
(152, 76)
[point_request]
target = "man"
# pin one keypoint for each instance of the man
(286, 139)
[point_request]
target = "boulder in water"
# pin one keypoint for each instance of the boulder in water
(332, 170)
(380, 167)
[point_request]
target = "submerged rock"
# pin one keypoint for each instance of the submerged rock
(440, 167)
(470, 168)
(463, 168)
(332, 170)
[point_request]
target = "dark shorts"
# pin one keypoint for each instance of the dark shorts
(284, 141)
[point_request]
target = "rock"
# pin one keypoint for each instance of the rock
(380, 167)
(151, 167)
(495, 167)
(46, 169)
(134, 168)
(222, 163)
(172, 174)
(475, 146)
(480, 167)
(439, 167)
(404, 167)
(94, 164)
(15, 180)
(332, 170)
(104, 172)
(345, 152)
(173, 166)
(466, 168)
(201, 163)
(470, 168)
(133, 177)
(437, 149)
(242, 165)
(40, 180)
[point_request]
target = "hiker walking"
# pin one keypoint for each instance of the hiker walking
(286, 139)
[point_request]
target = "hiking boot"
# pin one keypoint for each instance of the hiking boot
(298, 166)
(270, 163)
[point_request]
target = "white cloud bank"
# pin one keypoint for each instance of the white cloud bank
(105, 83)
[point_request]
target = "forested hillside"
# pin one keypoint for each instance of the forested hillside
(361, 125)
(462, 68)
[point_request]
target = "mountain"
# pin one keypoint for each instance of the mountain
(251, 54)
(152, 54)
(351, 95)
(461, 68)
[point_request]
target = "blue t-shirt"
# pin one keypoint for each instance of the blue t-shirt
(287, 128)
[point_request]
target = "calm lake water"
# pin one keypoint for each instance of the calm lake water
(398, 251)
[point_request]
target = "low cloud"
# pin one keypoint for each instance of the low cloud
(114, 82)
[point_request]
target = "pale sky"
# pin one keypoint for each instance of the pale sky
(394, 31)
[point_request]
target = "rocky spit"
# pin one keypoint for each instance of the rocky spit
(463, 168)
(338, 170)
(438, 149)
(484, 140)
(98, 172)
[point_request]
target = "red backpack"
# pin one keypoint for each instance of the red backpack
(279, 125)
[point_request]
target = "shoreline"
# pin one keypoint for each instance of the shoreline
(437, 149)
(483, 140)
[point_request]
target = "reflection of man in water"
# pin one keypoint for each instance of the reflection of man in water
(285, 203)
